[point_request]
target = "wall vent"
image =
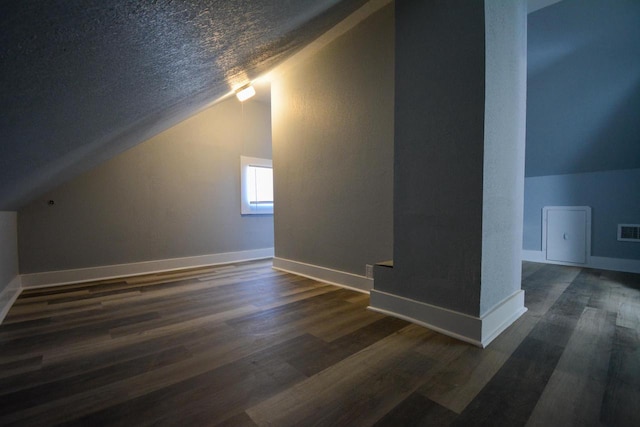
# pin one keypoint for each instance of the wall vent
(629, 232)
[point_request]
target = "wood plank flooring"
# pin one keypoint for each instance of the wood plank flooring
(245, 345)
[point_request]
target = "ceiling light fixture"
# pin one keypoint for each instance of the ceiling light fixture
(245, 92)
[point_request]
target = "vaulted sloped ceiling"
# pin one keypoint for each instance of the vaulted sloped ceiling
(583, 87)
(81, 81)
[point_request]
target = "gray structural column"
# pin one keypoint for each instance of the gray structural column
(458, 168)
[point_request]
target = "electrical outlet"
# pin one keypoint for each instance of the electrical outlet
(369, 271)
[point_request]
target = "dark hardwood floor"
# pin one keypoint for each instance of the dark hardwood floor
(244, 345)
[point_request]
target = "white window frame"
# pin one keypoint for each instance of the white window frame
(246, 208)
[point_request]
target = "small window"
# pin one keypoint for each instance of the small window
(256, 179)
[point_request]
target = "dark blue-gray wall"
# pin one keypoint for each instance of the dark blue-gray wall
(614, 197)
(583, 118)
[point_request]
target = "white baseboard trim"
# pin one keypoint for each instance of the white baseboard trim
(533, 256)
(9, 295)
(502, 316)
(324, 274)
(479, 331)
(599, 262)
(65, 277)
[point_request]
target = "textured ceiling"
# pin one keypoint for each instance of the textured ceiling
(82, 81)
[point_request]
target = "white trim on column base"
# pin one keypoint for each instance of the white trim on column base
(533, 256)
(65, 277)
(323, 274)
(599, 262)
(479, 331)
(9, 295)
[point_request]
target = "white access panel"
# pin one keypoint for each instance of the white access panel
(567, 233)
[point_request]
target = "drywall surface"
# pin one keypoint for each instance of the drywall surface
(612, 196)
(504, 149)
(583, 88)
(8, 249)
(439, 141)
(333, 151)
(175, 195)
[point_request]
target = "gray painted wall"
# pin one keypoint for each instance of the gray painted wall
(333, 151)
(175, 195)
(439, 141)
(612, 195)
(8, 249)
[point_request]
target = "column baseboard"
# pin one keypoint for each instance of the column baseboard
(324, 274)
(479, 331)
